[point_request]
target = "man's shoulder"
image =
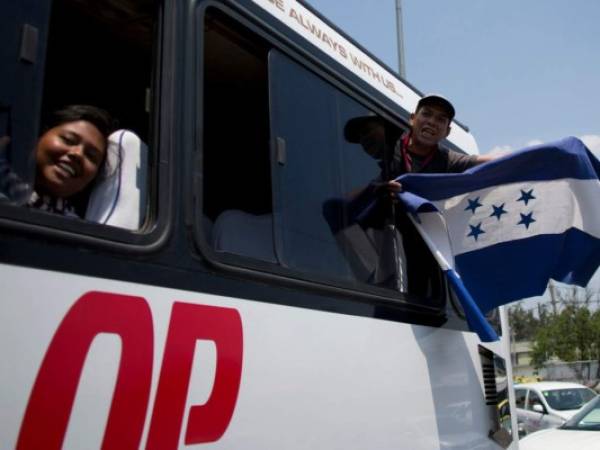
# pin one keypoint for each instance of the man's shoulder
(454, 154)
(457, 161)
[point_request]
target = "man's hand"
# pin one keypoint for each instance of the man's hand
(394, 187)
(386, 188)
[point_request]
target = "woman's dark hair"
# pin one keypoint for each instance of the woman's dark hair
(98, 117)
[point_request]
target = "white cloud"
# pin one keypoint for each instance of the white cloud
(504, 149)
(501, 149)
(592, 141)
(534, 142)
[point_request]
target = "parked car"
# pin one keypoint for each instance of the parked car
(581, 432)
(548, 404)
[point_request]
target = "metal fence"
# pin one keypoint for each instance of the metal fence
(584, 372)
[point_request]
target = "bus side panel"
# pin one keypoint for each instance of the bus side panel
(297, 379)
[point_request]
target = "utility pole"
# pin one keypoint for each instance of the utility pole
(513, 345)
(552, 292)
(400, 30)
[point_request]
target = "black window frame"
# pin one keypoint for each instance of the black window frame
(254, 268)
(155, 231)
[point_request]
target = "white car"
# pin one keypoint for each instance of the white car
(548, 404)
(581, 432)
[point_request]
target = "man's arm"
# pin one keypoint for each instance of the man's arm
(488, 157)
(459, 163)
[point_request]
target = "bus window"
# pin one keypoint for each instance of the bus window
(285, 184)
(336, 153)
(237, 208)
(82, 52)
(319, 185)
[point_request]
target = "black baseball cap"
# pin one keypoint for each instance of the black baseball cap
(355, 127)
(438, 100)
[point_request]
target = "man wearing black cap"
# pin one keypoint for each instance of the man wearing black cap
(418, 150)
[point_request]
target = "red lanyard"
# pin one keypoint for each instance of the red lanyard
(407, 158)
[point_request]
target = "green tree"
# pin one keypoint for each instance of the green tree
(570, 331)
(523, 322)
(544, 345)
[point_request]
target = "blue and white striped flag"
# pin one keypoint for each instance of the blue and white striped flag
(503, 229)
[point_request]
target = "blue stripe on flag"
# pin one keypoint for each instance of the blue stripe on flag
(513, 270)
(567, 158)
(476, 320)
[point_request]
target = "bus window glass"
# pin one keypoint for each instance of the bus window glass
(335, 156)
(372, 249)
(306, 169)
(81, 52)
(367, 149)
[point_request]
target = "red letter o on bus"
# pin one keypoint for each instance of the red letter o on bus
(47, 414)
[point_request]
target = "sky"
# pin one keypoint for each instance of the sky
(519, 72)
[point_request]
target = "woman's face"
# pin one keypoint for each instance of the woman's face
(68, 157)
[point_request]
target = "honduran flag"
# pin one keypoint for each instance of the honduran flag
(503, 229)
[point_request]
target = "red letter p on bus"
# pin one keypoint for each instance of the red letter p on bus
(207, 422)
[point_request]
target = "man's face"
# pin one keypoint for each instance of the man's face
(430, 124)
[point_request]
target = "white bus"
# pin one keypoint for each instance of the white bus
(218, 294)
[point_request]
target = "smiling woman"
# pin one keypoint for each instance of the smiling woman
(63, 159)
(68, 158)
